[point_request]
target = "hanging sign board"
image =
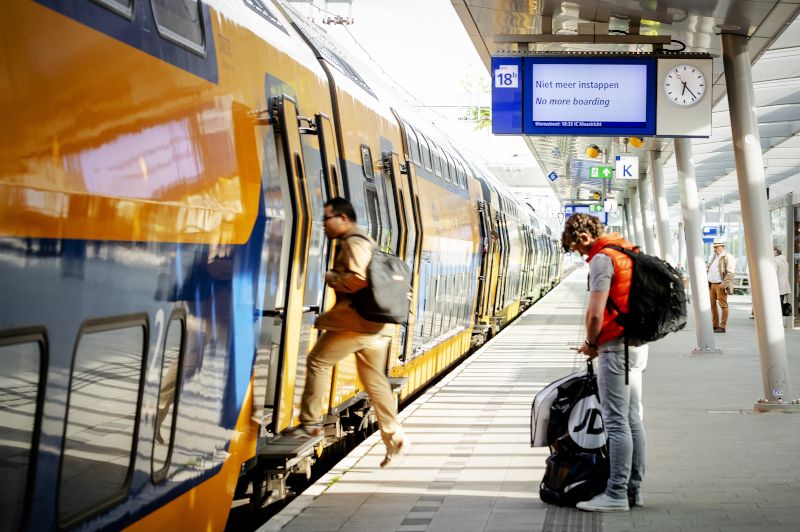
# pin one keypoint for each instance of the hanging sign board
(594, 210)
(709, 233)
(599, 95)
(592, 96)
(627, 167)
(507, 95)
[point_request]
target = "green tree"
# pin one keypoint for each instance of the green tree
(481, 117)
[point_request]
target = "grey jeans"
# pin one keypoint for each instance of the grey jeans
(622, 418)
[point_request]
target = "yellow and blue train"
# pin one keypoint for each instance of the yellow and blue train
(163, 167)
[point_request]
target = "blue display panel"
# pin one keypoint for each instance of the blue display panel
(592, 210)
(589, 96)
(507, 95)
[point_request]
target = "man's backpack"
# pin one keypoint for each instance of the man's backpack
(657, 299)
(386, 299)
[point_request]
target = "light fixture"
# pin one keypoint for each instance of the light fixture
(596, 195)
(636, 142)
(593, 151)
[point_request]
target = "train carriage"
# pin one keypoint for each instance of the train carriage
(163, 171)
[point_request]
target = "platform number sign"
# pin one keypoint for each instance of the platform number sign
(506, 77)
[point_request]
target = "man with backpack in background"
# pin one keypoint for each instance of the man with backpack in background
(346, 331)
(720, 283)
(610, 274)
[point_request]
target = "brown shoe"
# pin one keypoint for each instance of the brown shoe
(719, 330)
(401, 449)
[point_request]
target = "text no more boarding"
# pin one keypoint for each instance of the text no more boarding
(588, 95)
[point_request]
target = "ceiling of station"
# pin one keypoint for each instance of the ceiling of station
(774, 39)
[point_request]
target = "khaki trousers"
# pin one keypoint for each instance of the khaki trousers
(371, 351)
(718, 294)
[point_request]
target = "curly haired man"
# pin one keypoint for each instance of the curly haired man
(610, 278)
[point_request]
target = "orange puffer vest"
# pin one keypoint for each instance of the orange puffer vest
(620, 283)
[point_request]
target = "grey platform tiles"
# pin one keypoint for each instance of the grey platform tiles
(711, 464)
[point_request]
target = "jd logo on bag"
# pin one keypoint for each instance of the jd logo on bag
(586, 424)
(576, 425)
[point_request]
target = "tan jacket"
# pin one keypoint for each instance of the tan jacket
(727, 268)
(350, 276)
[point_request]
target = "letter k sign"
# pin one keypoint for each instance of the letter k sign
(626, 170)
(627, 167)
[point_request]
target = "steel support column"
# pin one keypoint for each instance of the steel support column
(681, 245)
(695, 262)
(775, 376)
(637, 217)
(629, 219)
(647, 220)
(662, 211)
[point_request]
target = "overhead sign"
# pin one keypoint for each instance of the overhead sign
(709, 233)
(602, 96)
(597, 96)
(627, 167)
(552, 176)
(601, 172)
(507, 95)
(610, 205)
(593, 210)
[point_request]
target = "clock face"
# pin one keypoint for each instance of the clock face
(684, 85)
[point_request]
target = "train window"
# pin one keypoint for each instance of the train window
(451, 165)
(462, 176)
(452, 310)
(366, 162)
(373, 218)
(120, 7)
(21, 370)
(457, 310)
(181, 21)
(168, 394)
(102, 414)
(447, 168)
(426, 153)
(437, 161)
(413, 145)
(430, 308)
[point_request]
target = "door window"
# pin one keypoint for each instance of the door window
(21, 365)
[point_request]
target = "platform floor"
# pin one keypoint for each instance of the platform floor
(712, 464)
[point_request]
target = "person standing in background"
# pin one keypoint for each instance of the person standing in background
(782, 265)
(720, 283)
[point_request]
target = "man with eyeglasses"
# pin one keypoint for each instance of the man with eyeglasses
(347, 332)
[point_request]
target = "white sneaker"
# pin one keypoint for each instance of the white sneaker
(604, 503)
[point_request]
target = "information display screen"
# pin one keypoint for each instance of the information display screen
(597, 96)
(593, 210)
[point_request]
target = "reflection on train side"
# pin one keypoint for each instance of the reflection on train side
(19, 388)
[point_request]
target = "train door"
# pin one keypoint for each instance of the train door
(293, 269)
(483, 274)
(406, 230)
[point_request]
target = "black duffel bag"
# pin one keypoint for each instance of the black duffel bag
(572, 478)
(786, 309)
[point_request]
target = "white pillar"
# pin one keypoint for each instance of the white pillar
(637, 217)
(647, 220)
(695, 262)
(775, 375)
(662, 211)
(629, 220)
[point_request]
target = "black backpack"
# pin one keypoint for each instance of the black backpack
(387, 298)
(657, 300)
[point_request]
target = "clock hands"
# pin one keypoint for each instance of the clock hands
(685, 87)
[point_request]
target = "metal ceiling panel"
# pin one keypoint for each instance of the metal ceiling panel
(774, 40)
